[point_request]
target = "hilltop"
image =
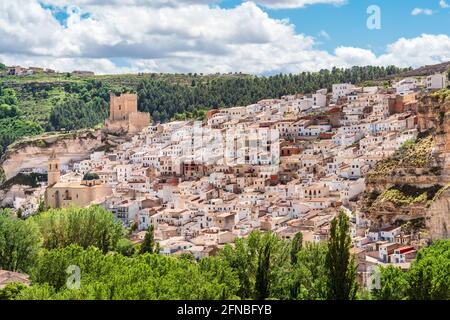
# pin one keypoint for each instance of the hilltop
(424, 71)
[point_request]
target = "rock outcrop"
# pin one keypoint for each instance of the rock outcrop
(393, 188)
(69, 147)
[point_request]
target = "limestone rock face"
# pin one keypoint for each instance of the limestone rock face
(438, 217)
(35, 154)
(433, 115)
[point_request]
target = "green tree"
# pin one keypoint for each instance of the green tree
(428, 277)
(393, 284)
(148, 245)
(263, 272)
(340, 263)
(140, 277)
(19, 243)
(258, 261)
(310, 273)
(125, 247)
(11, 291)
(93, 226)
(296, 246)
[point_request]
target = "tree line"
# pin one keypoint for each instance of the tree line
(12, 124)
(260, 266)
(165, 100)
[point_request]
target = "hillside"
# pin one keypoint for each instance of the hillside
(424, 71)
(43, 103)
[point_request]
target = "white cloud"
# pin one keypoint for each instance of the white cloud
(291, 4)
(418, 11)
(443, 4)
(419, 51)
(166, 37)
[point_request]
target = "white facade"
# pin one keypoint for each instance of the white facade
(436, 82)
(342, 90)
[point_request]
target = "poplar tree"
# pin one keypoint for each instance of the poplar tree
(340, 264)
(297, 244)
(148, 246)
(263, 272)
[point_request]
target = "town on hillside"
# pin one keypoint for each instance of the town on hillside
(284, 165)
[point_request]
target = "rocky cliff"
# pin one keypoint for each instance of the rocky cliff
(69, 147)
(34, 152)
(414, 183)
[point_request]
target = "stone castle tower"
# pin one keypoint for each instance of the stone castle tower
(124, 114)
(121, 107)
(53, 169)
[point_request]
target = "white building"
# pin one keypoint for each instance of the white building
(436, 82)
(342, 90)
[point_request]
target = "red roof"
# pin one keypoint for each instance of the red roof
(405, 250)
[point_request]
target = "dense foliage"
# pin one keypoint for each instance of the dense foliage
(19, 243)
(12, 124)
(260, 266)
(165, 100)
(115, 276)
(427, 279)
(13, 128)
(91, 176)
(11, 290)
(86, 227)
(85, 108)
(339, 261)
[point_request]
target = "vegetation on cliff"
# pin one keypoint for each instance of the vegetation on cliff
(410, 155)
(443, 95)
(33, 179)
(13, 124)
(406, 195)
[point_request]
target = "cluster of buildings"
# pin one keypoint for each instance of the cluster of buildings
(28, 71)
(432, 82)
(284, 165)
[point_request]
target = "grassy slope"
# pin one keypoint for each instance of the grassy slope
(38, 94)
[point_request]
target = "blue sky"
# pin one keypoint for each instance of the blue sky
(346, 24)
(116, 36)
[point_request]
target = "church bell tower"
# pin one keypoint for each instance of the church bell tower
(53, 169)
